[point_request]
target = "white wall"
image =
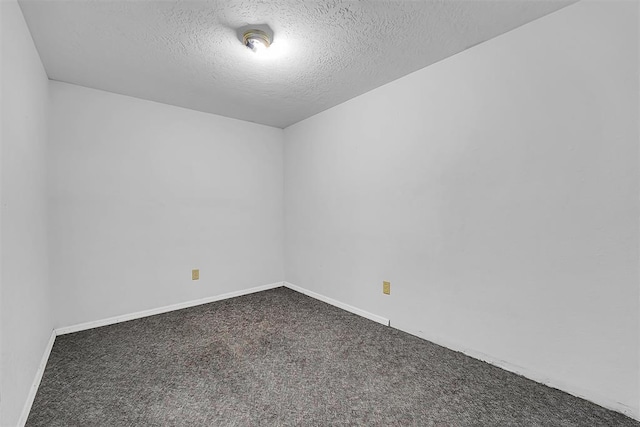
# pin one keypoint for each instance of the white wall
(141, 192)
(498, 191)
(25, 315)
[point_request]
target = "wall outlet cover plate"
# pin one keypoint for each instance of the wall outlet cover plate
(386, 288)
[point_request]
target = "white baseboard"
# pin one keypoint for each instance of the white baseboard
(160, 310)
(538, 377)
(338, 304)
(36, 381)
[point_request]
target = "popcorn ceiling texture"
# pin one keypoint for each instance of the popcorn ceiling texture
(280, 358)
(187, 53)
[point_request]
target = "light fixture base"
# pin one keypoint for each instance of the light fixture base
(254, 38)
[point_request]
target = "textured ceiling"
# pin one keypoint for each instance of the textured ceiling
(187, 53)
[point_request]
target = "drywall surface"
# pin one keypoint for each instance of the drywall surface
(25, 316)
(498, 191)
(141, 193)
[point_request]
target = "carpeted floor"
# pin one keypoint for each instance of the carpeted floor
(279, 358)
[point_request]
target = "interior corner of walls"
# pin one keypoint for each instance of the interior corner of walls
(339, 304)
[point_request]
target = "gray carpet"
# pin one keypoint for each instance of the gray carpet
(279, 358)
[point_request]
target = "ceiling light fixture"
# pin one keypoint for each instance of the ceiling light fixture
(256, 40)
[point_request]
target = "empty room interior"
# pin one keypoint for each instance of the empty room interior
(318, 213)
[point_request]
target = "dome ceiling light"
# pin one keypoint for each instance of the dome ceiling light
(256, 40)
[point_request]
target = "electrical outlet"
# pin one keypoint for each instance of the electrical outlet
(195, 274)
(386, 288)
